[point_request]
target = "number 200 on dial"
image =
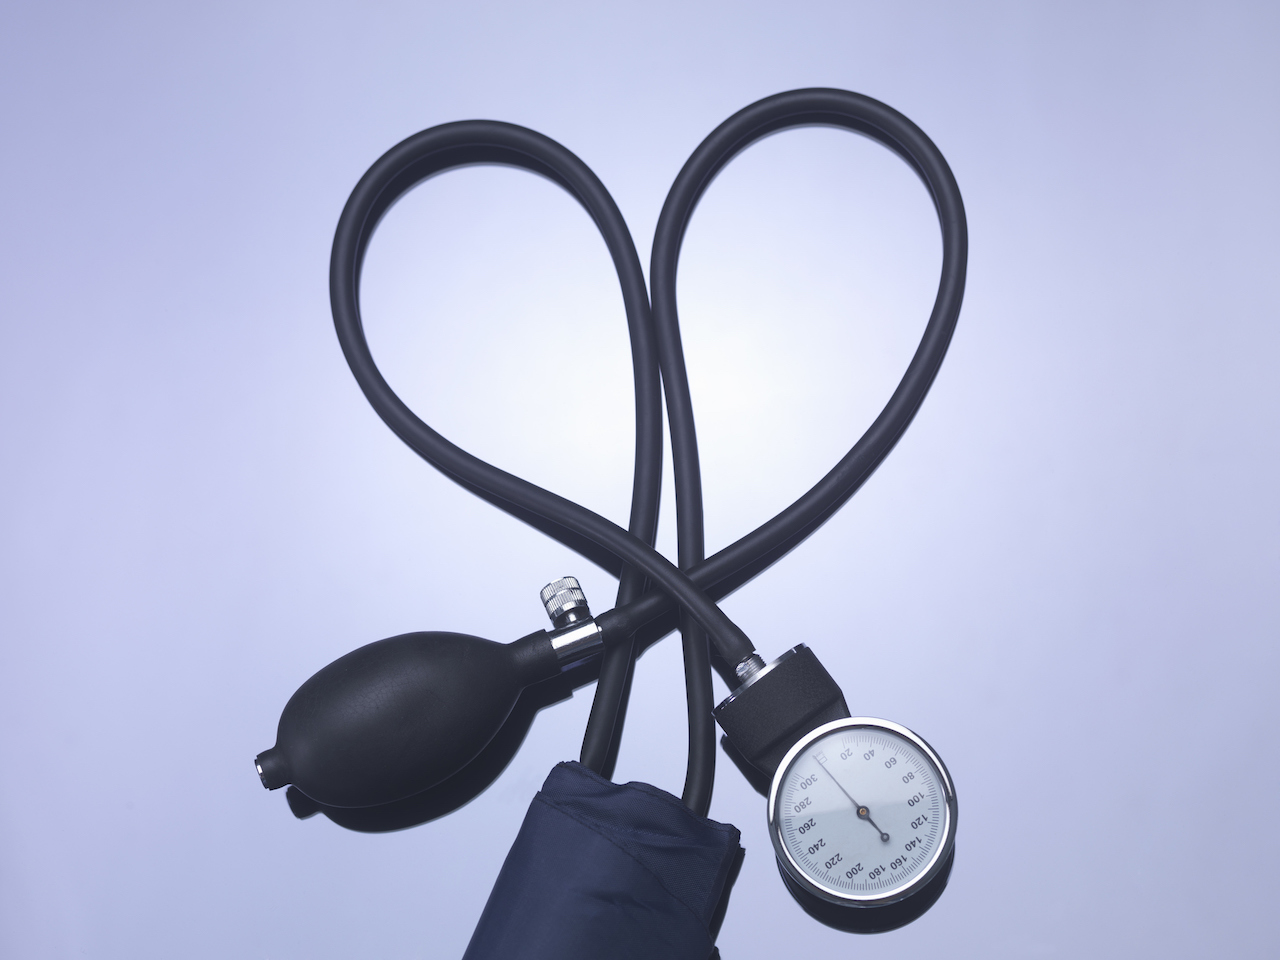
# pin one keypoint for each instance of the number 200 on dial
(862, 812)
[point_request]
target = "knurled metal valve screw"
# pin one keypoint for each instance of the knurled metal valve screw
(565, 602)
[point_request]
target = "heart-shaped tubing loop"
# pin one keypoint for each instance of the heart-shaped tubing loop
(694, 588)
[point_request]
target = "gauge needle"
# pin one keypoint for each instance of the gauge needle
(863, 812)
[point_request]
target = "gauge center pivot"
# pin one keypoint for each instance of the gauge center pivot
(865, 814)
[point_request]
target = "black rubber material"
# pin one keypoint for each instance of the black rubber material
(344, 736)
(394, 173)
(468, 142)
(743, 559)
(765, 718)
(650, 586)
(771, 541)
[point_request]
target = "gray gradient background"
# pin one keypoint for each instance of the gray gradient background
(1064, 576)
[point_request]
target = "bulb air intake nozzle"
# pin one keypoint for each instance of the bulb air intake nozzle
(272, 769)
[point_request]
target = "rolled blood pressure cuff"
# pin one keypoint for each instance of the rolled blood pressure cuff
(600, 869)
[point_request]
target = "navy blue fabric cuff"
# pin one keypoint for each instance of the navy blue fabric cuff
(601, 869)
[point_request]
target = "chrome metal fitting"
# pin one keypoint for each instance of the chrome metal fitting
(576, 642)
(747, 669)
(565, 602)
(574, 634)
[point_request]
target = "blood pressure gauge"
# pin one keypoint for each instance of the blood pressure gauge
(862, 814)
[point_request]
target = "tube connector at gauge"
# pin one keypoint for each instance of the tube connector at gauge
(778, 703)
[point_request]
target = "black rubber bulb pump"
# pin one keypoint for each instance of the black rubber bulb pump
(397, 717)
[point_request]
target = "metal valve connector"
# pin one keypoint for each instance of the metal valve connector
(565, 602)
(574, 634)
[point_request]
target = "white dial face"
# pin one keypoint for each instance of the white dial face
(862, 812)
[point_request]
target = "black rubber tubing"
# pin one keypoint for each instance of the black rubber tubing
(469, 142)
(399, 169)
(455, 144)
(729, 568)
(753, 553)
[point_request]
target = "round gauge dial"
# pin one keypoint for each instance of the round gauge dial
(862, 812)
